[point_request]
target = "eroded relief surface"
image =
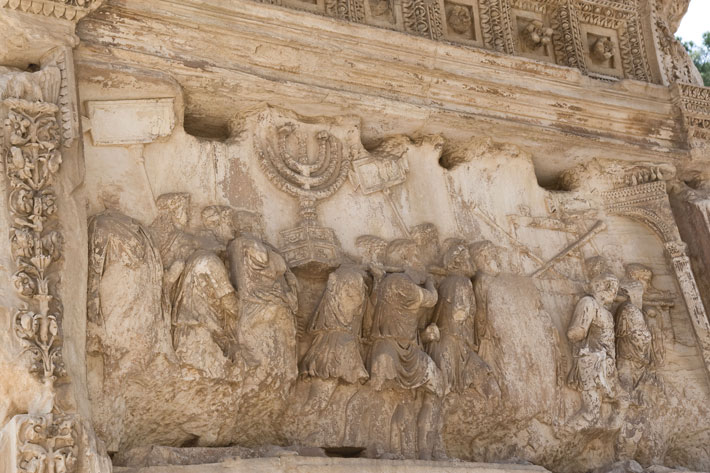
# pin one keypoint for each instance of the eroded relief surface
(351, 314)
(396, 235)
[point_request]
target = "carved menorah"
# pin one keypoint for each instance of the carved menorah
(310, 177)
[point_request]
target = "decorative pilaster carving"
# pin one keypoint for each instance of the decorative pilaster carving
(32, 157)
(677, 253)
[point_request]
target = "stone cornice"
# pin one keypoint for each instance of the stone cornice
(238, 48)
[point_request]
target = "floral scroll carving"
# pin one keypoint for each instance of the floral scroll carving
(32, 157)
(423, 18)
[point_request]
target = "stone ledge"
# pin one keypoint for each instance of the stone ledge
(297, 464)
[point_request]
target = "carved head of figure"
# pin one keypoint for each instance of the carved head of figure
(604, 288)
(426, 236)
(487, 257)
(596, 265)
(372, 248)
(459, 19)
(457, 258)
(640, 273)
(348, 292)
(602, 50)
(404, 253)
(634, 291)
(221, 221)
(174, 208)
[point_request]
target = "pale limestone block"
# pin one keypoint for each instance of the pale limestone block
(127, 122)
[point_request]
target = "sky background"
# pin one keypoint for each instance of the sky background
(695, 22)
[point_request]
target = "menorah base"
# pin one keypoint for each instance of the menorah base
(311, 248)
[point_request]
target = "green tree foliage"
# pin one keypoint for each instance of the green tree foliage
(700, 54)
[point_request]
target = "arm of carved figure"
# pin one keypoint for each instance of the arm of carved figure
(429, 294)
(256, 256)
(230, 307)
(230, 304)
(621, 325)
(378, 274)
(582, 319)
(174, 272)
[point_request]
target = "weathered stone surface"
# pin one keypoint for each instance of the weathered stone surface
(242, 236)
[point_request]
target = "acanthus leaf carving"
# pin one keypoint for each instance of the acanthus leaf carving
(46, 444)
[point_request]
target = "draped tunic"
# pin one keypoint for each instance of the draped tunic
(454, 352)
(335, 350)
(396, 353)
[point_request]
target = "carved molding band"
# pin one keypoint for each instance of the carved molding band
(603, 39)
(647, 203)
(73, 10)
(694, 103)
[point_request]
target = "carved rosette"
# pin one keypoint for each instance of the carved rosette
(31, 158)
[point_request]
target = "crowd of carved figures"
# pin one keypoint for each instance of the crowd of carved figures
(406, 316)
